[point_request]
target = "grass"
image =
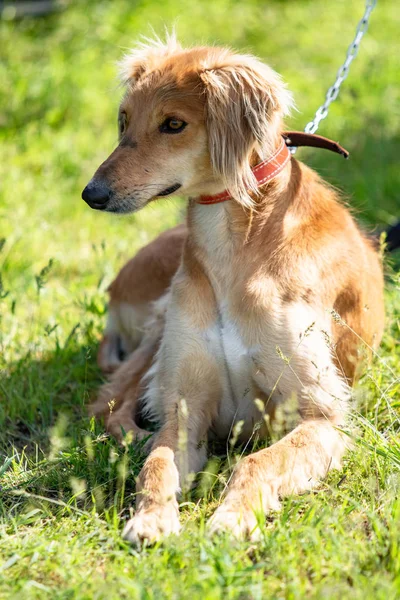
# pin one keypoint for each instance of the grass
(66, 489)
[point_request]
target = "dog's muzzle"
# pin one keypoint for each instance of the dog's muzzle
(96, 194)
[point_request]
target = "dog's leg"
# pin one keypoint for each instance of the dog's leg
(166, 468)
(184, 394)
(117, 400)
(292, 465)
(124, 332)
(178, 452)
(157, 513)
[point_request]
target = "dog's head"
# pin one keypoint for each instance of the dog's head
(191, 120)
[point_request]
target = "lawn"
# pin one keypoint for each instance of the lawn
(66, 488)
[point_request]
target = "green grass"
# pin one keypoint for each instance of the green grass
(66, 489)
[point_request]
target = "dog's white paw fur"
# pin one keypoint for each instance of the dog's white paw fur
(242, 524)
(152, 524)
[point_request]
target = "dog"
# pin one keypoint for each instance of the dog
(134, 328)
(276, 293)
(142, 281)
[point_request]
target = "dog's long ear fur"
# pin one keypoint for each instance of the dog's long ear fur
(245, 104)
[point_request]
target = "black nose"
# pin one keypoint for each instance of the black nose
(96, 194)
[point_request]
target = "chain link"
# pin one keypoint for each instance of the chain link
(352, 51)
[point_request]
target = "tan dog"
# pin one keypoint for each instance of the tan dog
(274, 293)
(144, 279)
(134, 327)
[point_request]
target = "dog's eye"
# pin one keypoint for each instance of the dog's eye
(172, 125)
(122, 121)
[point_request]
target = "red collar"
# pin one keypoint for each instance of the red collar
(270, 168)
(263, 172)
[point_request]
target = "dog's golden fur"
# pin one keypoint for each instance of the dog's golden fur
(272, 294)
(140, 282)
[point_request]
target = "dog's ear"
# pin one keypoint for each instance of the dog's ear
(145, 55)
(245, 104)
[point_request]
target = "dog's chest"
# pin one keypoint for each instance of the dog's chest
(237, 355)
(235, 359)
(225, 338)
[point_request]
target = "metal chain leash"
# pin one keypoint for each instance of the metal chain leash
(352, 51)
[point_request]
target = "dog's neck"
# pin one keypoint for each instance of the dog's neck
(220, 232)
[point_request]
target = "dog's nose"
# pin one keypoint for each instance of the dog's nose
(96, 194)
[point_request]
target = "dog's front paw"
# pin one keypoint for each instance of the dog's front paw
(152, 524)
(239, 522)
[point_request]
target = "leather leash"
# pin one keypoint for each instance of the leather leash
(298, 138)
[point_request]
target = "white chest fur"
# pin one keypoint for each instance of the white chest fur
(235, 366)
(286, 352)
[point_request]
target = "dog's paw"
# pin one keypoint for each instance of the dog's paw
(240, 523)
(152, 524)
